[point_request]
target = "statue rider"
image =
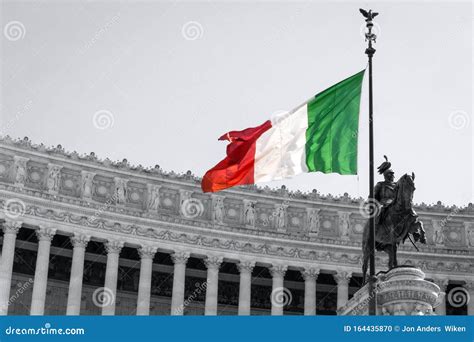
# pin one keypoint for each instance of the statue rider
(385, 191)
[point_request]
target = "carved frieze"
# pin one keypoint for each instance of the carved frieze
(313, 221)
(438, 233)
(153, 198)
(218, 210)
(344, 224)
(87, 184)
(20, 171)
(120, 191)
(249, 213)
(280, 216)
(53, 178)
(258, 212)
(6, 164)
(470, 234)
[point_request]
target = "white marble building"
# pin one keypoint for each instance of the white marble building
(89, 236)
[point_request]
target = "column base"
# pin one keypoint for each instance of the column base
(400, 291)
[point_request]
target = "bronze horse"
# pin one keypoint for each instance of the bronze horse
(399, 220)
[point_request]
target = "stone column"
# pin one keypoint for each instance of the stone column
(470, 304)
(10, 230)
(342, 279)
(180, 259)
(111, 273)
(45, 235)
(245, 268)
(213, 264)
(144, 285)
(310, 276)
(280, 295)
(79, 243)
(442, 283)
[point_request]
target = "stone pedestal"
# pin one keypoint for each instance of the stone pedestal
(401, 291)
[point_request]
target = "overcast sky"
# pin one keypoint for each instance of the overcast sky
(172, 77)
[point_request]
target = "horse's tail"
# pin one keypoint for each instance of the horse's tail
(365, 252)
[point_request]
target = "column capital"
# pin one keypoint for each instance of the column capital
(310, 273)
(80, 240)
(342, 277)
(11, 227)
(441, 282)
(180, 258)
(213, 262)
(246, 266)
(113, 246)
(278, 270)
(45, 233)
(147, 252)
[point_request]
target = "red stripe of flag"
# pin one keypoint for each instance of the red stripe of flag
(238, 167)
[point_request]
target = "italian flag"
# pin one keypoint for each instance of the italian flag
(320, 135)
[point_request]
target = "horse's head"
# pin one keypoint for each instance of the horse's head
(405, 189)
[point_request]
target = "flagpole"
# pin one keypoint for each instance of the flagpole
(370, 51)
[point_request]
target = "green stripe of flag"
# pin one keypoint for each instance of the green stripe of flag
(333, 120)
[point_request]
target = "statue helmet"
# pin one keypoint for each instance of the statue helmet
(384, 168)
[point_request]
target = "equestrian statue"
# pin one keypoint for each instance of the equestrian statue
(395, 219)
